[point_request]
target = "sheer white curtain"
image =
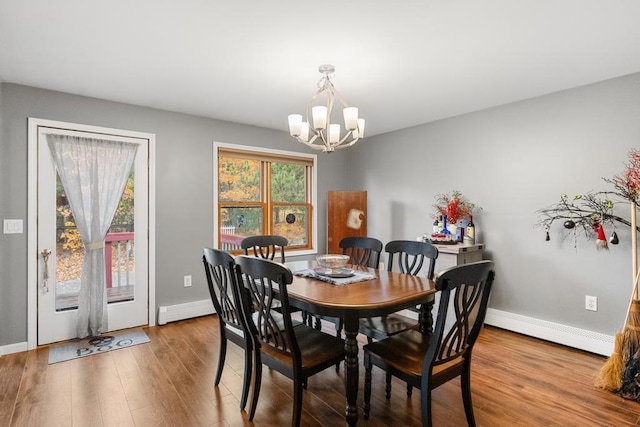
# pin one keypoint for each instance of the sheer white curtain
(94, 173)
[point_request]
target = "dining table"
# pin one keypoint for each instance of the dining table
(380, 293)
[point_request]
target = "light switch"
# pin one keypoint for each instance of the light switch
(12, 226)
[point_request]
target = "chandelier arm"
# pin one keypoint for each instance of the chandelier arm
(338, 147)
(338, 95)
(309, 144)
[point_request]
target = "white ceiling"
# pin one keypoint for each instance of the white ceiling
(403, 63)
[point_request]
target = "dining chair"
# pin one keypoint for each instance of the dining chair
(410, 256)
(297, 351)
(266, 246)
(428, 360)
(364, 251)
(218, 267)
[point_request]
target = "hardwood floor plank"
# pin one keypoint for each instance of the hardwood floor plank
(516, 381)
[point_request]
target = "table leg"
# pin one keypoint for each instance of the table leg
(351, 369)
(426, 316)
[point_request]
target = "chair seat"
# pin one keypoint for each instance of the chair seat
(404, 351)
(317, 348)
(381, 327)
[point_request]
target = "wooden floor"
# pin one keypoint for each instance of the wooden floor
(516, 381)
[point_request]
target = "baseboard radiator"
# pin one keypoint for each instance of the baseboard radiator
(582, 339)
(173, 313)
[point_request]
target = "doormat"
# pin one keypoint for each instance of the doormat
(95, 345)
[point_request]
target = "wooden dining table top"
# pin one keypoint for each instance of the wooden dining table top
(387, 291)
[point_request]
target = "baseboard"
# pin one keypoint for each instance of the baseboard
(13, 348)
(582, 339)
(173, 313)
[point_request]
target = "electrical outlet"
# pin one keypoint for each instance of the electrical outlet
(591, 303)
(187, 281)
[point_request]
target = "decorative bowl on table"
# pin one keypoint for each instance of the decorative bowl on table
(334, 262)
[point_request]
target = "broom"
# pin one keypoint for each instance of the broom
(632, 326)
(627, 342)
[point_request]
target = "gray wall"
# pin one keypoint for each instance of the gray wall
(513, 160)
(184, 188)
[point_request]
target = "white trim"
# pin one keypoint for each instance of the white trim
(570, 336)
(314, 189)
(152, 230)
(173, 313)
(32, 205)
(13, 348)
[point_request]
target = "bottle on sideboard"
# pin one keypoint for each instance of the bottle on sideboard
(436, 226)
(470, 236)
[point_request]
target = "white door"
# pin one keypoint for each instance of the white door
(60, 251)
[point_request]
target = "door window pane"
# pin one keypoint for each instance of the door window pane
(119, 254)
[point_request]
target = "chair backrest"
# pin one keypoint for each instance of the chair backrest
(218, 267)
(466, 288)
(261, 285)
(265, 246)
(364, 251)
(411, 255)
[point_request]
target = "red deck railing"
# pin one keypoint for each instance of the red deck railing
(108, 252)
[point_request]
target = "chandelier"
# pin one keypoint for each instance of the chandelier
(322, 133)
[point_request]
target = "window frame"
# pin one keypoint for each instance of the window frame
(284, 156)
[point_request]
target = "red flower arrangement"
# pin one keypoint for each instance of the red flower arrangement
(455, 206)
(628, 183)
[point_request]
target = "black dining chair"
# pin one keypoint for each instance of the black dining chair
(427, 360)
(296, 350)
(218, 267)
(410, 257)
(363, 251)
(266, 246)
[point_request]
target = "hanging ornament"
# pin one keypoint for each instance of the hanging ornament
(569, 224)
(546, 236)
(614, 238)
(601, 243)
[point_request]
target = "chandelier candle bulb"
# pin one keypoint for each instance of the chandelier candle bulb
(360, 133)
(304, 131)
(295, 124)
(319, 113)
(334, 133)
(350, 118)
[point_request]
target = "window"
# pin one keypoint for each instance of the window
(260, 191)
